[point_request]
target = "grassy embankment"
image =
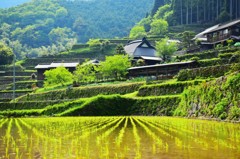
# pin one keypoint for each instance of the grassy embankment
(194, 92)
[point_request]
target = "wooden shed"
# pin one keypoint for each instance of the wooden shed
(169, 69)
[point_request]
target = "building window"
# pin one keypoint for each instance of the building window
(225, 31)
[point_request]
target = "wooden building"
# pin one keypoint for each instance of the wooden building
(41, 68)
(169, 69)
(219, 34)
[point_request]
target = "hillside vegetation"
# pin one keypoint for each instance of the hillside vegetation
(48, 27)
(186, 15)
(210, 91)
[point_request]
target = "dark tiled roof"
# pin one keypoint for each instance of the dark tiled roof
(224, 26)
(131, 47)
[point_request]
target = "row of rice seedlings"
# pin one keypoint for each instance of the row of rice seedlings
(23, 139)
(108, 132)
(156, 139)
(205, 138)
(121, 133)
(36, 132)
(206, 133)
(86, 130)
(137, 139)
(102, 128)
(167, 130)
(104, 143)
(3, 121)
(9, 141)
(43, 143)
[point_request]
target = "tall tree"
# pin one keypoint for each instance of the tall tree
(165, 49)
(6, 55)
(157, 4)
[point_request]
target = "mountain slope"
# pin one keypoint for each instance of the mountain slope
(56, 24)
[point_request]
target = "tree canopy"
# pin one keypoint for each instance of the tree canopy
(59, 75)
(115, 66)
(165, 49)
(137, 32)
(6, 54)
(85, 73)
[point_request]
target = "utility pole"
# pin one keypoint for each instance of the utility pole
(14, 76)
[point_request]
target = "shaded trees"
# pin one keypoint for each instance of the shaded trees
(165, 49)
(6, 55)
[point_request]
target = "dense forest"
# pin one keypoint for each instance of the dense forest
(186, 12)
(49, 26)
(201, 11)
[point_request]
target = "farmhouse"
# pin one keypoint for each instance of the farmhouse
(41, 68)
(142, 49)
(219, 34)
(168, 70)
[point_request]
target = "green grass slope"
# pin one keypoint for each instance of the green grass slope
(219, 98)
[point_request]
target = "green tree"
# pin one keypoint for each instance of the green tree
(137, 32)
(6, 55)
(115, 66)
(59, 75)
(120, 50)
(146, 23)
(159, 27)
(187, 37)
(162, 11)
(94, 43)
(165, 49)
(85, 73)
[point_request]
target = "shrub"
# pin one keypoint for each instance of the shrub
(82, 92)
(165, 88)
(203, 72)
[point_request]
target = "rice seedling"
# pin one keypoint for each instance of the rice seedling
(117, 137)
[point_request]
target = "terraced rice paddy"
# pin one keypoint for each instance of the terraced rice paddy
(118, 137)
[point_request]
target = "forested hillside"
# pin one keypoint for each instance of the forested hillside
(49, 26)
(188, 12)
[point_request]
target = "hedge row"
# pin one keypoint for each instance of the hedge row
(212, 62)
(82, 92)
(203, 55)
(203, 72)
(207, 55)
(117, 105)
(79, 46)
(8, 95)
(22, 73)
(10, 68)
(100, 105)
(165, 88)
(22, 85)
(5, 106)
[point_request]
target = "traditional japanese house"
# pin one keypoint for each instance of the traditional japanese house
(142, 49)
(219, 34)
